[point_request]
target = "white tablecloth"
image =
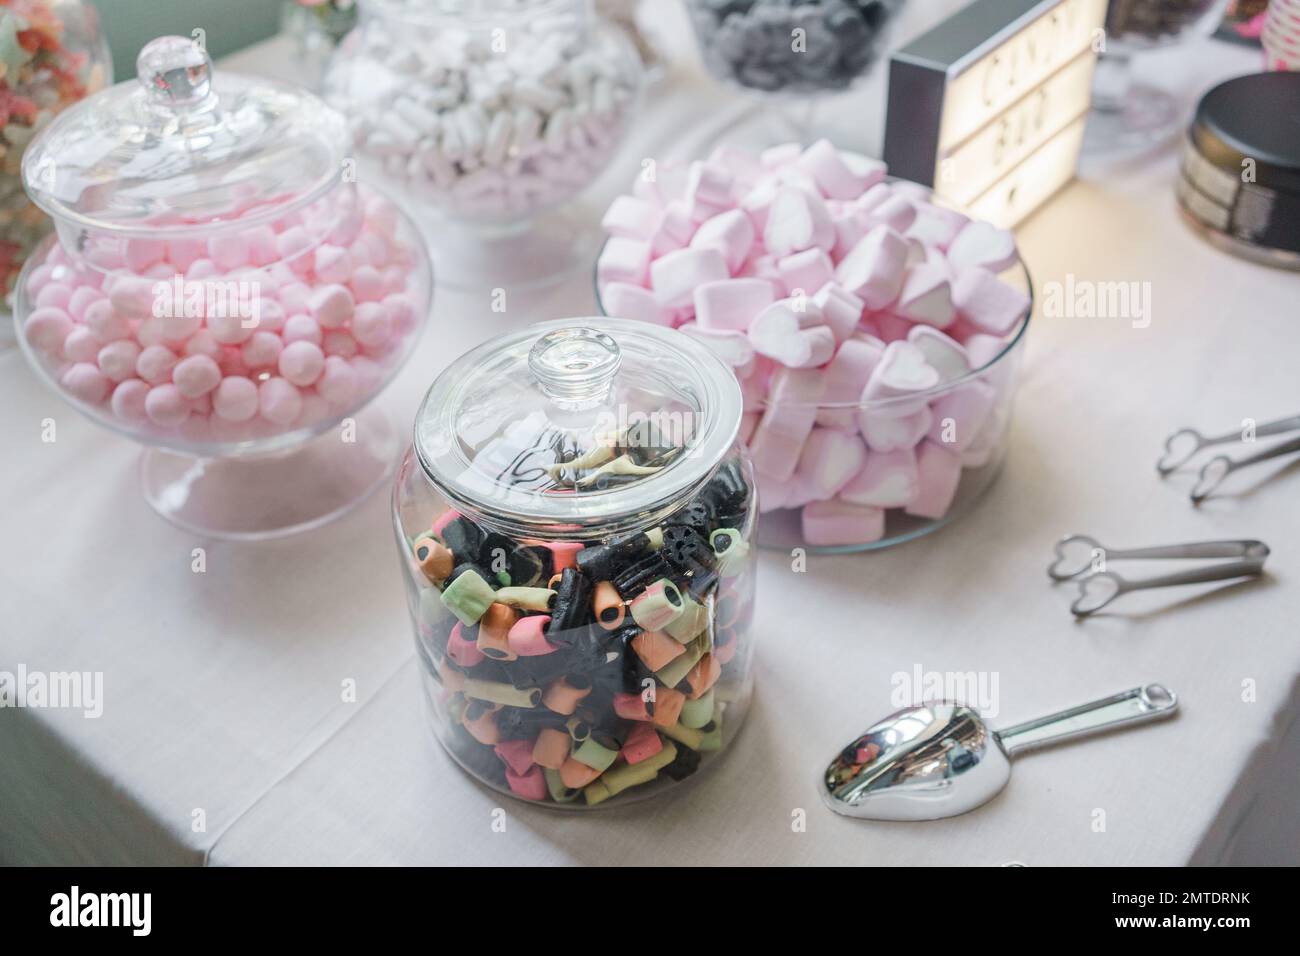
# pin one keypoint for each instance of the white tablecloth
(225, 737)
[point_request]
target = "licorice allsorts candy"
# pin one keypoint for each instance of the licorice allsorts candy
(575, 671)
(464, 538)
(572, 607)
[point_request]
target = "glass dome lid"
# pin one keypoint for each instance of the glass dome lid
(183, 150)
(576, 424)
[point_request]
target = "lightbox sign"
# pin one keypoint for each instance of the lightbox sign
(988, 107)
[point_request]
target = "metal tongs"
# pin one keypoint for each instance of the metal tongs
(1081, 557)
(1186, 443)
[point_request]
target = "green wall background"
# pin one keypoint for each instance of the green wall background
(229, 24)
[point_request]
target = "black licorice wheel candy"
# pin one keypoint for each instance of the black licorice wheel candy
(570, 643)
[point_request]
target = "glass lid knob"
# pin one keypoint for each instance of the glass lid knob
(176, 71)
(575, 367)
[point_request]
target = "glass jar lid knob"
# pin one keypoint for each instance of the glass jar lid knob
(176, 71)
(575, 367)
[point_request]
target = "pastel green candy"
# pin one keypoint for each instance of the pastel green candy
(683, 735)
(656, 538)
(615, 781)
(594, 755)
(731, 549)
(499, 692)
(530, 599)
(657, 606)
(697, 713)
(693, 619)
(671, 674)
(468, 596)
(555, 786)
(713, 737)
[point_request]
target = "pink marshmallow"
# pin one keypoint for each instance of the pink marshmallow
(888, 479)
(841, 309)
(632, 218)
(623, 300)
(809, 271)
(675, 276)
(829, 460)
(902, 371)
(873, 270)
(623, 260)
(943, 354)
(675, 229)
(81, 345)
(792, 409)
(939, 471)
(338, 383)
(983, 244)
(732, 304)
(729, 233)
(838, 523)
(833, 175)
(155, 364)
(886, 431)
(844, 378)
(797, 221)
(987, 302)
(926, 296)
(959, 414)
(793, 336)
(708, 190)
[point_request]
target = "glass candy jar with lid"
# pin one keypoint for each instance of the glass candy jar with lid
(494, 114)
(54, 56)
(575, 519)
(222, 290)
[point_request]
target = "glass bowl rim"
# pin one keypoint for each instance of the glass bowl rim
(263, 445)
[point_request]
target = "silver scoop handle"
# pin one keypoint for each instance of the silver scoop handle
(1150, 702)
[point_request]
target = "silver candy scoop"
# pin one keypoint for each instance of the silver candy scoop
(940, 759)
